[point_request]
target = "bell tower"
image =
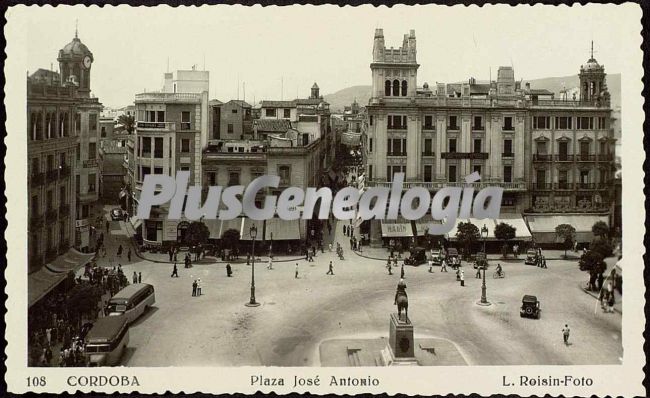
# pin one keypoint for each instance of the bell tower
(75, 61)
(394, 70)
(593, 87)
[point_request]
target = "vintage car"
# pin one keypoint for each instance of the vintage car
(452, 256)
(530, 307)
(480, 261)
(437, 256)
(117, 214)
(418, 256)
(531, 257)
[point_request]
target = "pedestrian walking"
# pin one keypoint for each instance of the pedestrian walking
(270, 266)
(401, 272)
(462, 277)
(198, 287)
(543, 261)
(128, 255)
(330, 247)
(478, 272)
(119, 251)
(430, 265)
(443, 266)
(228, 270)
(296, 273)
(194, 288)
(139, 277)
(330, 271)
(174, 271)
(135, 277)
(390, 269)
(565, 334)
(171, 254)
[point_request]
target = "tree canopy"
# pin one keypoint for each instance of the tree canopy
(504, 231)
(467, 234)
(197, 233)
(600, 229)
(128, 122)
(230, 238)
(566, 234)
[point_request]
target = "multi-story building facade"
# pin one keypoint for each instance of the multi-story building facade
(438, 136)
(171, 133)
(231, 120)
(112, 152)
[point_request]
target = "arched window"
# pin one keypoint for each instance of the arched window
(387, 88)
(63, 132)
(33, 122)
(395, 88)
(404, 88)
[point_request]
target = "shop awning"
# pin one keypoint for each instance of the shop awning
(543, 226)
(47, 278)
(247, 223)
(522, 232)
(235, 224)
(282, 229)
(396, 229)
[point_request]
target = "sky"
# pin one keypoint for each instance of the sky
(279, 52)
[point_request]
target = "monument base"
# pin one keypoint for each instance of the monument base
(401, 344)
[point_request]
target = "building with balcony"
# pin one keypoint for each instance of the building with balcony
(171, 132)
(112, 173)
(436, 136)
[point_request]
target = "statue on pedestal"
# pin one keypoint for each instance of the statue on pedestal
(401, 300)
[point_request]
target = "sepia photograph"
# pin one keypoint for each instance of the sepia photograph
(232, 186)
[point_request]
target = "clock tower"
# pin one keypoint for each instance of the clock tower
(75, 61)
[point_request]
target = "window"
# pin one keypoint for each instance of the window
(103, 131)
(507, 123)
(507, 173)
(563, 150)
(428, 173)
(603, 148)
(146, 147)
(157, 170)
(563, 123)
(478, 123)
(584, 178)
(185, 168)
(371, 119)
(92, 122)
(585, 123)
(452, 145)
(77, 186)
(507, 147)
(451, 175)
(397, 122)
(453, 123)
(50, 162)
(233, 178)
(231, 128)
(158, 147)
(391, 170)
(404, 88)
(287, 113)
(145, 171)
(541, 178)
(370, 172)
(284, 171)
(476, 168)
(269, 112)
(77, 123)
(234, 111)
(141, 115)
(396, 147)
(49, 197)
(186, 123)
(584, 150)
(563, 179)
(63, 199)
(161, 116)
(508, 199)
(92, 150)
(212, 179)
(428, 147)
(477, 145)
(428, 122)
(541, 122)
(185, 145)
(92, 178)
(541, 148)
(602, 123)
(370, 145)
(395, 88)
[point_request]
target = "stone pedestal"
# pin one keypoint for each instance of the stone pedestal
(401, 345)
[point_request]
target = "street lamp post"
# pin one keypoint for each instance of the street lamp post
(484, 300)
(252, 302)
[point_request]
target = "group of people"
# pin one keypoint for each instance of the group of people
(607, 298)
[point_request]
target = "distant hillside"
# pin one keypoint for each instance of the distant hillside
(346, 96)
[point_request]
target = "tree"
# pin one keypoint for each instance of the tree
(592, 262)
(197, 233)
(504, 232)
(566, 234)
(230, 238)
(467, 234)
(128, 122)
(601, 246)
(600, 229)
(83, 299)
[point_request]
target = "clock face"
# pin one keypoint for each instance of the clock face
(87, 61)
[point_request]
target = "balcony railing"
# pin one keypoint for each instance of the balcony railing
(453, 128)
(507, 155)
(541, 186)
(478, 128)
(507, 186)
(508, 128)
(156, 126)
(464, 155)
(428, 127)
(397, 127)
(396, 153)
(37, 179)
(168, 97)
(430, 153)
(186, 126)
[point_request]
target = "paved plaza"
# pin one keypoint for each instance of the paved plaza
(297, 316)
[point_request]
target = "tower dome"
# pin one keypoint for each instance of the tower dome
(591, 64)
(75, 62)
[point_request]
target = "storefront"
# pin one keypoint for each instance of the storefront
(542, 226)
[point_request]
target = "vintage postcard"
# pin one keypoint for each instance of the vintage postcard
(321, 199)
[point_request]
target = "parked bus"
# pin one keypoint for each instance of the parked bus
(132, 301)
(106, 341)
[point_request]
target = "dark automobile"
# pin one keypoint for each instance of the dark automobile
(117, 214)
(418, 256)
(452, 256)
(531, 257)
(530, 307)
